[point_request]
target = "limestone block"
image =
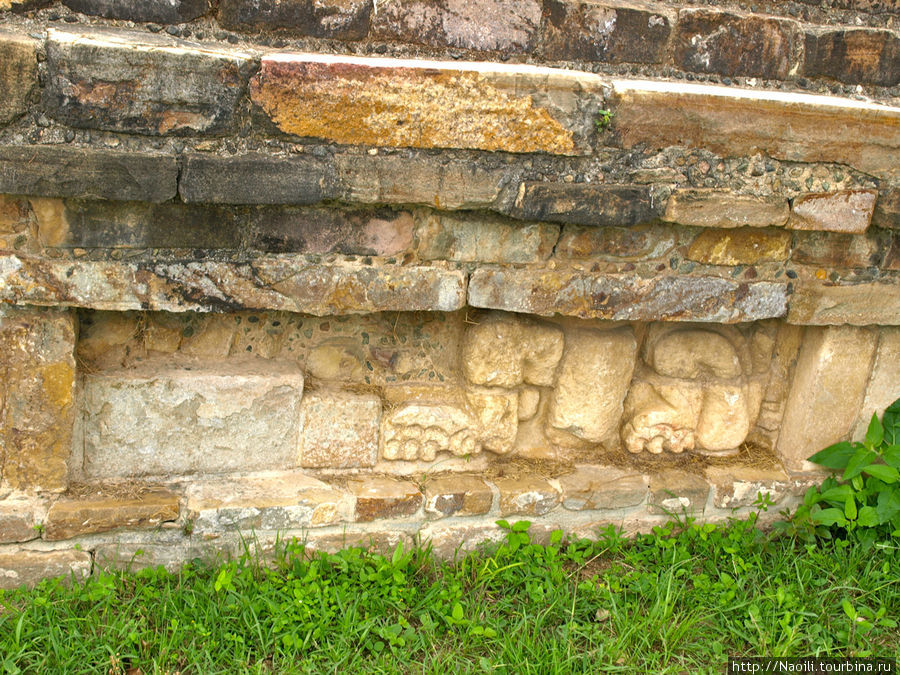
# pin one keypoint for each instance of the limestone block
(142, 83)
(602, 487)
(274, 502)
(132, 557)
(497, 413)
(674, 491)
(594, 375)
(364, 101)
(69, 518)
(526, 495)
(484, 239)
(710, 207)
(741, 246)
(378, 498)
(827, 391)
(27, 568)
(827, 249)
(693, 354)
(18, 74)
(163, 417)
(423, 430)
(640, 242)
(456, 495)
(858, 302)
(20, 518)
(339, 429)
(529, 401)
(738, 485)
(37, 396)
(503, 350)
(884, 385)
(847, 211)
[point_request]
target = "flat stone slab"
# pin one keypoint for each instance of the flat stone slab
(859, 303)
(27, 568)
(429, 104)
(379, 497)
(602, 487)
(69, 518)
(291, 283)
(165, 417)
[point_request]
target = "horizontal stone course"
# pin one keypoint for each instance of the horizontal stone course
(340, 19)
(160, 11)
(28, 568)
(709, 207)
(584, 204)
(69, 518)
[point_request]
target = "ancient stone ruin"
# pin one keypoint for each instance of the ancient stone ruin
(367, 272)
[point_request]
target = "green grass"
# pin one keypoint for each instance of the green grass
(679, 600)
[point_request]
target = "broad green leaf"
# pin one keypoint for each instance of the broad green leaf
(860, 459)
(848, 609)
(829, 517)
(875, 432)
(868, 517)
(888, 505)
(457, 613)
(838, 494)
(834, 456)
(850, 508)
(891, 423)
(883, 472)
(503, 523)
(521, 526)
(892, 456)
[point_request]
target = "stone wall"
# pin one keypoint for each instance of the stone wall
(370, 272)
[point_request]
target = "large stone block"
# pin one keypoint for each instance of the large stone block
(142, 83)
(827, 391)
(884, 385)
(827, 249)
(722, 208)
(854, 55)
(613, 31)
(339, 430)
(65, 171)
(164, 418)
(340, 19)
(378, 498)
(526, 495)
(822, 302)
(18, 74)
(713, 41)
(365, 101)
(594, 374)
(602, 487)
(267, 502)
(584, 204)
(675, 492)
(484, 239)
(740, 122)
(741, 246)
(739, 485)
(621, 243)
(626, 296)
(255, 179)
(887, 208)
(28, 568)
(457, 495)
(69, 518)
(848, 211)
(508, 26)
(161, 11)
(37, 395)
(20, 519)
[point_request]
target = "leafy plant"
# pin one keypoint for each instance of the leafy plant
(864, 500)
(604, 117)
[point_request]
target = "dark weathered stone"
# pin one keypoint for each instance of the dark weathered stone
(623, 243)
(291, 283)
(854, 55)
(162, 11)
(713, 41)
(65, 171)
(584, 204)
(142, 83)
(483, 238)
(340, 19)
(614, 31)
(69, 518)
(484, 25)
(839, 250)
(887, 208)
(378, 498)
(626, 296)
(256, 179)
(892, 257)
(18, 74)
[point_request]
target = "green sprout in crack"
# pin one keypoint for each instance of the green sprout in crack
(604, 117)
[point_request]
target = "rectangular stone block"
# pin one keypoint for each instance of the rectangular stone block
(741, 122)
(514, 24)
(484, 239)
(646, 242)
(675, 492)
(740, 246)
(729, 43)
(457, 495)
(338, 19)
(69, 518)
(28, 568)
(612, 31)
(626, 296)
(18, 73)
(66, 171)
(339, 430)
(255, 179)
(20, 519)
(710, 207)
(526, 495)
(840, 250)
(37, 397)
(378, 498)
(739, 485)
(266, 502)
(162, 418)
(427, 180)
(602, 487)
(827, 391)
(159, 11)
(884, 385)
(887, 208)
(142, 83)
(848, 211)
(290, 283)
(584, 204)
(821, 302)
(387, 102)
(853, 55)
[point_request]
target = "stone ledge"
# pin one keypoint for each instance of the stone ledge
(69, 518)
(27, 568)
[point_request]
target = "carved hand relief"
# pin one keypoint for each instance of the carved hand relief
(696, 389)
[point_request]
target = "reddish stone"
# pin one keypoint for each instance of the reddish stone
(854, 55)
(378, 498)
